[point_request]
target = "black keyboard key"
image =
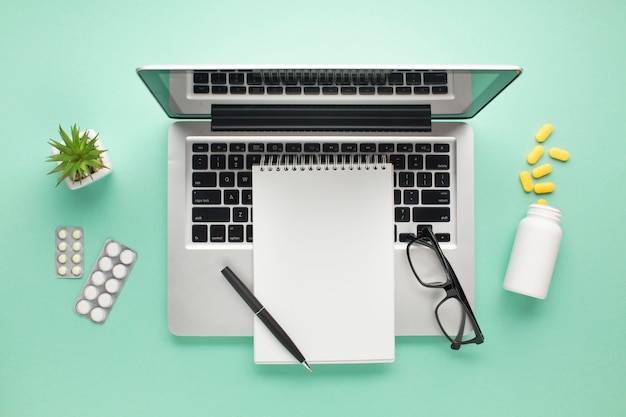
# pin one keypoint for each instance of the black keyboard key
(293, 147)
(311, 90)
(406, 179)
(367, 90)
(411, 197)
(219, 89)
(312, 147)
(405, 147)
(274, 90)
(437, 162)
(201, 89)
(413, 78)
(218, 233)
(244, 179)
(442, 179)
(249, 233)
(240, 214)
(421, 90)
(396, 78)
(330, 90)
(422, 147)
(403, 214)
(348, 90)
(385, 90)
(330, 147)
(293, 90)
(218, 78)
(397, 197)
(200, 162)
(424, 179)
(254, 78)
(219, 147)
(431, 214)
(237, 147)
(200, 147)
(442, 237)
(218, 162)
(436, 197)
(441, 147)
(435, 78)
(210, 214)
(235, 78)
(235, 233)
(201, 78)
(227, 179)
(231, 197)
(368, 147)
(204, 179)
(256, 90)
(199, 233)
(403, 90)
(246, 197)
(349, 147)
(386, 147)
(440, 89)
(398, 161)
(415, 162)
(256, 147)
(238, 89)
(253, 159)
(210, 197)
(275, 147)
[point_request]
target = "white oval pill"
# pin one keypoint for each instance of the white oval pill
(120, 271)
(76, 259)
(76, 246)
(105, 264)
(127, 257)
(62, 246)
(77, 271)
(62, 234)
(83, 307)
(112, 285)
(98, 315)
(62, 258)
(97, 278)
(113, 249)
(90, 292)
(62, 270)
(76, 234)
(105, 300)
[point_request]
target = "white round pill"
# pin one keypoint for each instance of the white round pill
(113, 249)
(127, 256)
(83, 307)
(77, 271)
(76, 259)
(120, 271)
(90, 292)
(62, 234)
(112, 285)
(62, 258)
(76, 234)
(105, 264)
(97, 278)
(105, 300)
(62, 246)
(62, 270)
(76, 246)
(98, 315)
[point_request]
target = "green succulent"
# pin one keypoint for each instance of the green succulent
(78, 156)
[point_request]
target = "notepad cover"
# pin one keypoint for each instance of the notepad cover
(324, 263)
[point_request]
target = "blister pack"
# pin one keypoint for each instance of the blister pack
(68, 252)
(105, 281)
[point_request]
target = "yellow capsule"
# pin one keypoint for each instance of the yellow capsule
(535, 154)
(544, 132)
(542, 201)
(527, 182)
(559, 154)
(544, 187)
(542, 170)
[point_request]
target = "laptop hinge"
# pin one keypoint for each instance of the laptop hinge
(415, 118)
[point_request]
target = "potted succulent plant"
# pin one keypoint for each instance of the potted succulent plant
(80, 158)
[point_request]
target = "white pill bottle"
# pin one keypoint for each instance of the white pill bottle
(534, 252)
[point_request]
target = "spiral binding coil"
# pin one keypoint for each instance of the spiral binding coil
(313, 162)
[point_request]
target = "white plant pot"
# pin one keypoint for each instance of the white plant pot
(101, 173)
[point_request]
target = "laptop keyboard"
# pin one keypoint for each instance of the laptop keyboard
(221, 183)
(316, 82)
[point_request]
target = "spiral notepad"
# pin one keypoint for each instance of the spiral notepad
(324, 259)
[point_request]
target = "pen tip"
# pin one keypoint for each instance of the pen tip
(306, 365)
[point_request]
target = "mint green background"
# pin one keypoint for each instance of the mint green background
(74, 61)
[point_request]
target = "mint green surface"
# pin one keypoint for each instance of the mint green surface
(74, 62)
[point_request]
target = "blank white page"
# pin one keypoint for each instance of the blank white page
(324, 263)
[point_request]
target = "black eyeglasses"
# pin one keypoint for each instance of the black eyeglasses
(431, 268)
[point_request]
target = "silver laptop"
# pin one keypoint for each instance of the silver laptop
(232, 116)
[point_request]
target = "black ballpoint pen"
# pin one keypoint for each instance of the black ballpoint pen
(264, 316)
